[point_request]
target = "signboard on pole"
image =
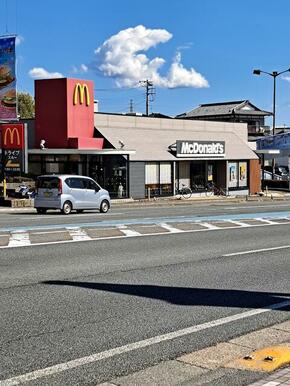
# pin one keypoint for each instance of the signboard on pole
(13, 146)
(8, 108)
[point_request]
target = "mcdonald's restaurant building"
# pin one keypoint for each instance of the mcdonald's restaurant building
(130, 155)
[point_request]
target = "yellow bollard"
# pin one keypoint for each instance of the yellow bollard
(4, 188)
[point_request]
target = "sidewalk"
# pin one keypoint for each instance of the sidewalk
(221, 365)
(21, 205)
(281, 377)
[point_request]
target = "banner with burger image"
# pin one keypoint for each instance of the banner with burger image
(8, 108)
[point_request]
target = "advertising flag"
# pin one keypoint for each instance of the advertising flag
(8, 109)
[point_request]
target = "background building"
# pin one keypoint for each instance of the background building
(236, 111)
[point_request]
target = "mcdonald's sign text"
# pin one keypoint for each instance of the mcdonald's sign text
(12, 136)
(81, 94)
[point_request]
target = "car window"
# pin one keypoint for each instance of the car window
(91, 185)
(48, 183)
(75, 183)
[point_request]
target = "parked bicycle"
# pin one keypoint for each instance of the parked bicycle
(183, 192)
(213, 189)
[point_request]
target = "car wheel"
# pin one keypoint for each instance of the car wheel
(67, 207)
(105, 206)
(79, 210)
(41, 210)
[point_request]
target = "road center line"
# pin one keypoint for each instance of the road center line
(256, 251)
(52, 370)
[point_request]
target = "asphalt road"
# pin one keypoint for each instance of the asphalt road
(82, 313)
(29, 217)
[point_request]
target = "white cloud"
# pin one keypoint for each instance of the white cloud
(19, 39)
(42, 73)
(82, 69)
(286, 78)
(178, 76)
(122, 57)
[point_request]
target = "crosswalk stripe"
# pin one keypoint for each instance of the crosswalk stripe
(266, 221)
(240, 223)
(18, 239)
(170, 228)
(208, 225)
(128, 232)
(78, 234)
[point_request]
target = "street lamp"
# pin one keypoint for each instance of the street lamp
(274, 74)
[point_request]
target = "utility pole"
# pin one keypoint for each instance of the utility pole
(131, 106)
(150, 92)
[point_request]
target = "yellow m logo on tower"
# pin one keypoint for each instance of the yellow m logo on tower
(81, 91)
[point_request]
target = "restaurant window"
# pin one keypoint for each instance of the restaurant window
(165, 178)
(198, 176)
(158, 178)
(111, 172)
(152, 179)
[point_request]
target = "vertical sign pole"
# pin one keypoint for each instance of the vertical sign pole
(25, 150)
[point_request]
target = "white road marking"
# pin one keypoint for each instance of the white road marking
(271, 383)
(48, 232)
(19, 239)
(168, 227)
(208, 225)
(256, 206)
(239, 223)
(78, 234)
(256, 251)
(58, 368)
(131, 233)
(128, 232)
(266, 221)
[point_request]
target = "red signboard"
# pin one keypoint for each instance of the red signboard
(13, 136)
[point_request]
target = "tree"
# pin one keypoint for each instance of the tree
(26, 105)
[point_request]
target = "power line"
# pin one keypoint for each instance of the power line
(115, 89)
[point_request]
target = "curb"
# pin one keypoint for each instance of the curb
(214, 362)
(129, 203)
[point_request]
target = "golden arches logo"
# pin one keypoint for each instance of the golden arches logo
(81, 91)
(11, 133)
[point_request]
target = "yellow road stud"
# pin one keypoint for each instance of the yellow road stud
(268, 359)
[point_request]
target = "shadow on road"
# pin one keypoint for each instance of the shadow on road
(186, 296)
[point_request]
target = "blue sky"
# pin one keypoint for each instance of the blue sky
(196, 51)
